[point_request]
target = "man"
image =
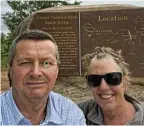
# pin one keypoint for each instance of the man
(33, 61)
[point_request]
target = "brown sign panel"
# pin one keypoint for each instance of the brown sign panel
(119, 29)
(64, 27)
(78, 33)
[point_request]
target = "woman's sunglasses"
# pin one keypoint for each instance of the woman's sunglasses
(112, 79)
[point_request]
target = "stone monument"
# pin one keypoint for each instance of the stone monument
(79, 29)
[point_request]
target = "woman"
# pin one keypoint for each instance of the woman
(107, 75)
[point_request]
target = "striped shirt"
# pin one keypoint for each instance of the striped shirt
(60, 111)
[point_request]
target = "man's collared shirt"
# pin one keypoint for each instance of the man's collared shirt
(60, 111)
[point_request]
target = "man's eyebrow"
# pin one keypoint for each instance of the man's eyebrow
(19, 58)
(48, 57)
(32, 58)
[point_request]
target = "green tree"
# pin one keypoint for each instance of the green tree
(5, 45)
(22, 9)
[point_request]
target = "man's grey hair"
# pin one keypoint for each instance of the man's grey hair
(33, 34)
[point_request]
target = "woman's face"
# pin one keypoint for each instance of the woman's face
(107, 96)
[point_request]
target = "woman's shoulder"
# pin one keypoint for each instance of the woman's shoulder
(87, 105)
(142, 103)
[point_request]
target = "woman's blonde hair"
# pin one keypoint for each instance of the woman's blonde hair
(102, 52)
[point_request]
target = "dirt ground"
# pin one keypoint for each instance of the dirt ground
(76, 89)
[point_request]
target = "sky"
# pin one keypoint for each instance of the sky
(5, 8)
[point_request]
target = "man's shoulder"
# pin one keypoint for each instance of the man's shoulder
(63, 103)
(68, 110)
(6, 107)
(5, 100)
(4, 95)
(61, 100)
(57, 96)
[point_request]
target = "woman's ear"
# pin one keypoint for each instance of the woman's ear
(127, 80)
(125, 89)
(57, 72)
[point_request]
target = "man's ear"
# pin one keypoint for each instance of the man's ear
(9, 75)
(10, 70)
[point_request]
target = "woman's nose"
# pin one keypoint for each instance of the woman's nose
(103, 85)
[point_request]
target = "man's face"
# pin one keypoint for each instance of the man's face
(107, 96)
(34, 69)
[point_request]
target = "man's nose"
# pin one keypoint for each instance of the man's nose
(36, 71)
(103, 85)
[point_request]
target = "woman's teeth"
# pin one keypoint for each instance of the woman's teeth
(106, 96)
